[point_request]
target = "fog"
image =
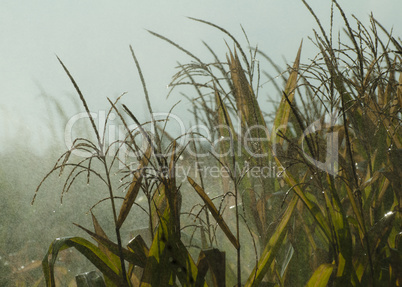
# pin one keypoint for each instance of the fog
(92, 38)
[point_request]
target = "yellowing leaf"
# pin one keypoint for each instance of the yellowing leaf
(321, 276)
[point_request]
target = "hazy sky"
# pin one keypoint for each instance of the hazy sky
(93, 38)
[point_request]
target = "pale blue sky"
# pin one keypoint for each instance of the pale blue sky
(92, 38)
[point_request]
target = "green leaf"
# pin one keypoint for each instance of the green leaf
(168, 258)
(158, 205)
(378, 232)
(341, 227)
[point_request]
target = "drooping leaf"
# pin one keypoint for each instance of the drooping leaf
(213, 260)
(218, 217)
(131, 257)
(86, 248)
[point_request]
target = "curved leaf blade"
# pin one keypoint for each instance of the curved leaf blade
(86, 248)
(218, 217)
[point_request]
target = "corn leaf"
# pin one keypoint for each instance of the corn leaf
(226, 129)
(246, 101)
(343, 236)
(168, 258)
(250, 112)
(218, 217)
(100, 232)
(378, 232)
(86, 248)
(158, 205)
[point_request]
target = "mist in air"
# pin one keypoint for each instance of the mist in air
(41, 113)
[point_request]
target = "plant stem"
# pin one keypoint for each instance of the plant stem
(237, 206)
(238, 238)
(123, 266)
(234, 178)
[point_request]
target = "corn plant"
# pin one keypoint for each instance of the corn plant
(343, 224)
(155, 175)
(329, 215)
